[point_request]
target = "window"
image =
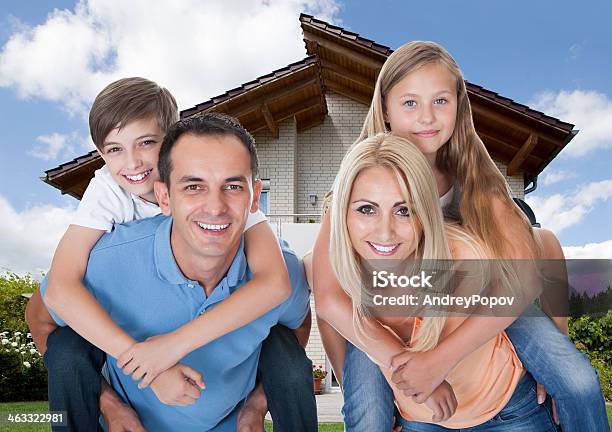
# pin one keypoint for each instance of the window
(264, 198)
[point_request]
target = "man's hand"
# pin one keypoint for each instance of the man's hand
(442, 402)
(418, 374)
(180, 385)
(122, 419)
(118, 417)
(253, 412)
(146, 360)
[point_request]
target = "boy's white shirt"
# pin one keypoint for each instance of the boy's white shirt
(105, 203)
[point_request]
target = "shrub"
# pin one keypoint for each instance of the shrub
(23, 376)
(593, 336)
(12, 303)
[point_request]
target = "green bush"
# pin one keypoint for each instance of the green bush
(12, 303)
(593, 336)
(23, 376)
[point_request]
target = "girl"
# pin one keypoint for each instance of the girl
(405, 222)
(420, 94)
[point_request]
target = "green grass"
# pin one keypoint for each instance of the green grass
(40, 407)
(23, 407)
(26, 407)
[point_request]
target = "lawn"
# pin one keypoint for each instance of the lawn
(40, 407)
(28, 407)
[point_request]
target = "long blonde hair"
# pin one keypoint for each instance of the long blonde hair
(415, 178)
(464, 156)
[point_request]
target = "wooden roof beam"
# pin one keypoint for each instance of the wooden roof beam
(522, 154)
(489, 114)
(272, 125)
(269, 97)
(351, 94)
(348, 74)
(344, 51)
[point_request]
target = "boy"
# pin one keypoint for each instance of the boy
(127, 122)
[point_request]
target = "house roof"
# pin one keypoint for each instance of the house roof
(344, 62)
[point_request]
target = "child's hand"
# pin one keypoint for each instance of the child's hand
(146, 360)
(419, 373)
(442, 402)
(180, 385)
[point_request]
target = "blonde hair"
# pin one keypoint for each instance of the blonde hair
(464, 156)
(415, 179)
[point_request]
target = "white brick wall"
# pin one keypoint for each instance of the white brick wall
(516, 181)
(277, 162)
(321, 149)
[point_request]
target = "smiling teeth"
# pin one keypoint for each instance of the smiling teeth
(139, 176)
(385, 249)
(212, 227)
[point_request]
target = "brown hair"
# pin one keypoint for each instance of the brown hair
(129, 99)
(463, 156)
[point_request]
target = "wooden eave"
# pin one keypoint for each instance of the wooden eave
(293, 91)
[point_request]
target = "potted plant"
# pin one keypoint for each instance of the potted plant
(318, 376)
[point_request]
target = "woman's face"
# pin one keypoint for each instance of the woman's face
(422, 107)
(379, 222)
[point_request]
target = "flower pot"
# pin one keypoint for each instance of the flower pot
(318, 386)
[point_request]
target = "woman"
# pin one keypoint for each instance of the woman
(385, 207)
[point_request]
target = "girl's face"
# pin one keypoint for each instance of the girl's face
(422, 107)
(379, 223)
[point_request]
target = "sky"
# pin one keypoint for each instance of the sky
(555, 56)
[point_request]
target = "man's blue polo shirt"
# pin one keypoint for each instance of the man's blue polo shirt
(134, 276)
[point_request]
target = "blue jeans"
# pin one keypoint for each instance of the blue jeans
(553, 360)
(547, 354)
(522, 413)
(368, 398)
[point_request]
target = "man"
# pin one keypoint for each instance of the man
(155, 275)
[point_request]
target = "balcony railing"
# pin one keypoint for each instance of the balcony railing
(299, 229)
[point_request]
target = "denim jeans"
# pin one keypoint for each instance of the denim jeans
(547, 354)
(74, 380)
(368, 398)
(553, 360)
(286, 375)
(74, 370)
(522, 413)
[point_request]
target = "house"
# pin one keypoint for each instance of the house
(304, 117)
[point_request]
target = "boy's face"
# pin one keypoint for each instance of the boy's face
(131, 154)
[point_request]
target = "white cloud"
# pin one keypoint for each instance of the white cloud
(560, 211)
(601, 250)
(574, 52)
(590, 111)
(56, 145)
(29, 237)
(196, 49)
(551, 177)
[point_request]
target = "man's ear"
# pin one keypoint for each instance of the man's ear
(257, 187)
(162, 195)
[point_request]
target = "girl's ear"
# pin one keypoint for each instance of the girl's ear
(385, 116)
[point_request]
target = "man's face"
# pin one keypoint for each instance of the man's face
(211, 193)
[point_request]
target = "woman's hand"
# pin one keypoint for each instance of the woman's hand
(442, 402)
(541, 391)
(146, 360)
(418, 374)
